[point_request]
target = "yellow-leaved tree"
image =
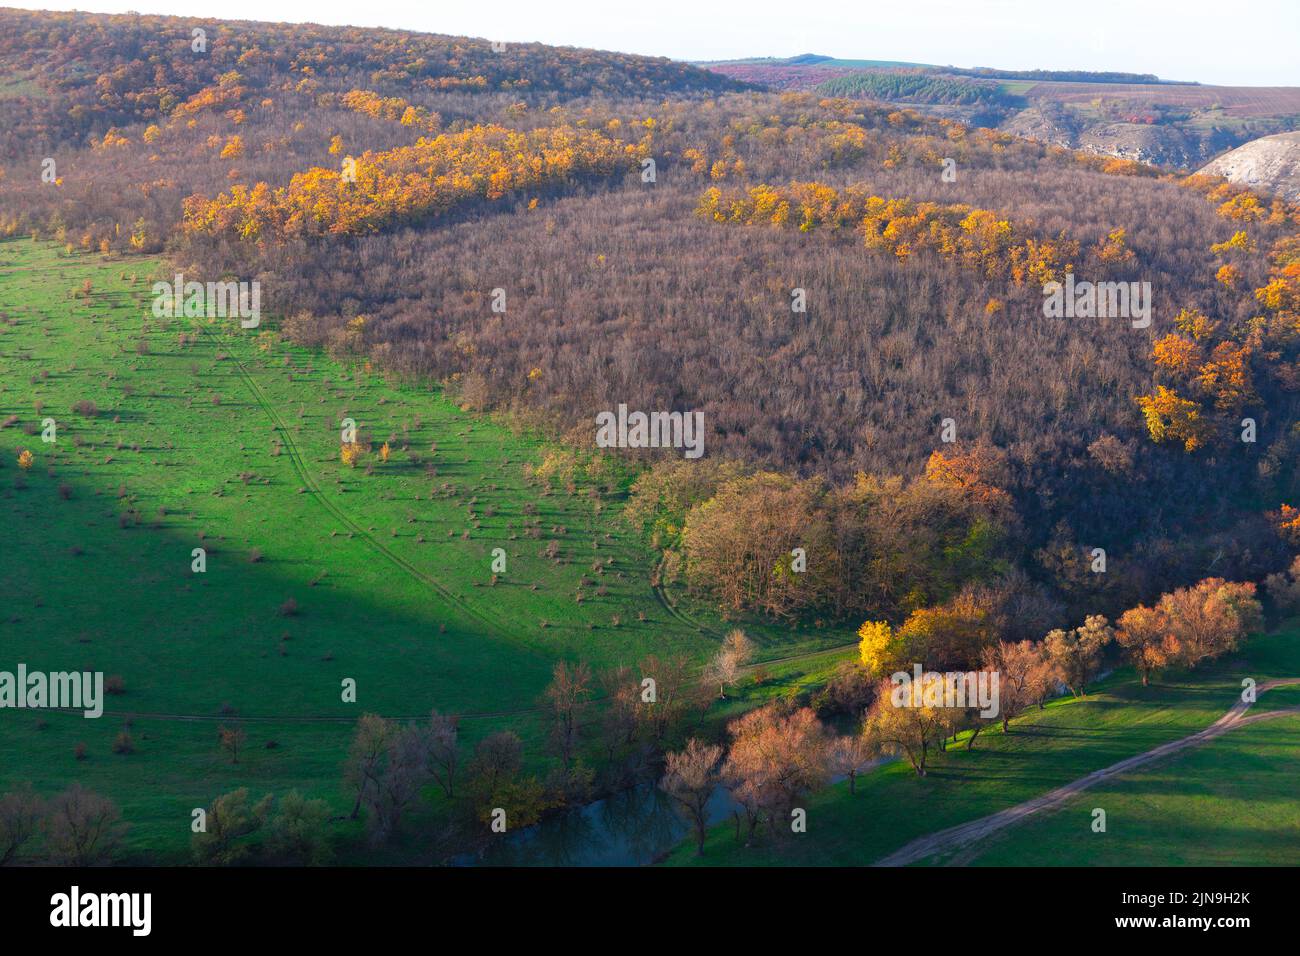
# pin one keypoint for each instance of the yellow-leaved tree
(876, 647)
(1170, 417)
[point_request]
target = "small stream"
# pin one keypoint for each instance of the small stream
(630, 828)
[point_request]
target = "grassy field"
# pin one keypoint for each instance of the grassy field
(208, 435)
(1067, 740)
(1229, 802)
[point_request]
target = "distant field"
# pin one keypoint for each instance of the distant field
(231, 443)
(1244, 101)
(15, 86)
(1235, 102)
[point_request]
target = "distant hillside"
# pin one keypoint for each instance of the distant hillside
(1062, 76)
(71, 76)
(919, 88)
(1270, 163)
(1127, 115)
(811, 59)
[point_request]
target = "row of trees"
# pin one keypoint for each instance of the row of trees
(642, 711)
(978, 239)
(777, 755)
(74, 828)
(769, 542)
(1184, 628)
(407, 183)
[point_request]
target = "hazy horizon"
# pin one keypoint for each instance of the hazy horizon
(1175, 42)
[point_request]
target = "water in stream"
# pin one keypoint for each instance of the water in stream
(630, 828)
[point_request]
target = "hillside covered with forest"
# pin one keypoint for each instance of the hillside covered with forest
(648, 227)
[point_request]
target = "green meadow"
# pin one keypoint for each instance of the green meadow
(204, 435)
(1228, 802)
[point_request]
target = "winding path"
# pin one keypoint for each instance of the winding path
(300, 467)
(965, 834)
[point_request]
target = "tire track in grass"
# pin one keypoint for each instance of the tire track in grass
(300, 467)
(662, 595)
(334, 719)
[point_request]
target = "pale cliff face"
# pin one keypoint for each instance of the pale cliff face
(1271, 163)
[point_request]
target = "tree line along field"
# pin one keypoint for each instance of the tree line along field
(1227, 802)
(228, 439)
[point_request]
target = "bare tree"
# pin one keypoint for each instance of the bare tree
(366, 754)
(232, 740)
(443, 750)
(83, 828)
(404, 770)
(676, 689)
(1024, 675)
(690, 777)
(567, 697)
(722, 669)
(21, 811)
(776, 757)
(496, 760)
(849, 756)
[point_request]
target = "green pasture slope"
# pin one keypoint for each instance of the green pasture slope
(230, 441)
(1233, 800)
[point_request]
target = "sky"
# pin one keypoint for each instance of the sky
(1249, 43)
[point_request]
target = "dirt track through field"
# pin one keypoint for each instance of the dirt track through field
(467, 715)
(300, 466)
(966, 834)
